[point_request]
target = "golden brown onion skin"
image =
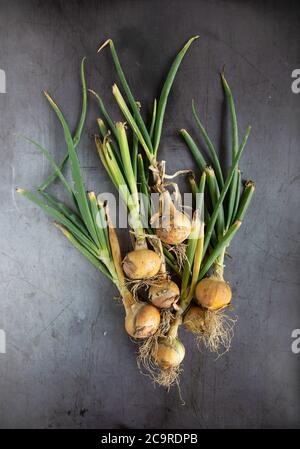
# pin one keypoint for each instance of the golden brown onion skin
(213, 293)
(164, 295)
(168, 353)
(175, 229)
(142, 320)
(141, 264)
(194, 319)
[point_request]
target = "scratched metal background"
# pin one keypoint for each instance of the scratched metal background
(68, 361)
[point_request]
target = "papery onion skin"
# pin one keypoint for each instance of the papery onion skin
(213, 293)
(194, 319)
(168, 353)
(175, 229)
(164, 295)
(141, 264)
(142, 320)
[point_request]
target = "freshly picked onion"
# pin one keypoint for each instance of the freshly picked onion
(87, 225)
(194, 319)
(175, 229)
(142, 320)
(213, 293)
(168, 353)
(164, 295)
(141, 264)
(213, 329)
(172, 226)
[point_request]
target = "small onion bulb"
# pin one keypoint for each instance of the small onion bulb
(213, 293)
(194, 319)
(164, 295)
(142, 320)
(174, 229)
(141, 264)
(168, 353)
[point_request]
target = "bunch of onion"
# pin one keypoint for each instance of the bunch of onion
(174, 229)
(168, 351)
(143, 267)
(166, 356)
(142, 263)
(88, 228)
(228, 207)
(125, 172)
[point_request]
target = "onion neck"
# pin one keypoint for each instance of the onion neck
(127, 299)
(140, 242)
(219, 266)
(166, 207)
(173, 331)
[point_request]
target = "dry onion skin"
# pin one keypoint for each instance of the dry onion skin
(142, 320)
(163, 353)
(164, 295)
(141, 264)
(171, 225)
(175, 229)
(213, 293)
(213, 330)
(194, 319)
(169, 353)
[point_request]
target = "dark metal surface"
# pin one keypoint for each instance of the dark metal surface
(68, 362)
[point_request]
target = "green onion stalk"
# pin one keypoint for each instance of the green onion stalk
(169, 350)
(227, 210)
(141, 263)
(144, 267)
(163, 293)
(129, 172)
(170, 225)
(87, 225)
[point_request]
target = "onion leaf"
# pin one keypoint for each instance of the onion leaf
(61, 218)
(48, 156)
(128, 92)
(210, 146)
(162, 103)
(215, 213)
(79, 191)
(78, 131)
(192, 146)
(219, 248)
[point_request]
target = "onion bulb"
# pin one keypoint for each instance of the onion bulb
(168, 353)
(142, 320)
(172, 226)
(174, 229)
(213, 293)
(164, 295)
(194, 319)
(141, 264)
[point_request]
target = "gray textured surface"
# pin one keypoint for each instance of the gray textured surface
(68, 361)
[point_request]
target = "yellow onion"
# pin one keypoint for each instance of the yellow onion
(213, 293)
(142, 320)
(174, 229)
(141, 264)
(164, 295)
(194, 319)
(172, 226)
(168, 353)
